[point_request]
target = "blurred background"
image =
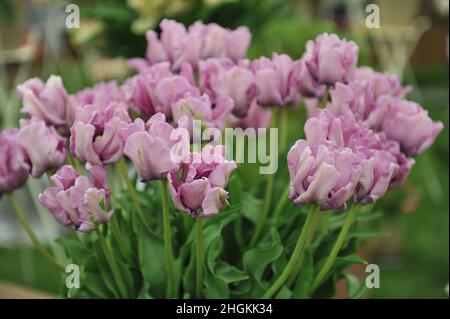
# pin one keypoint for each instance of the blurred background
(412, 42)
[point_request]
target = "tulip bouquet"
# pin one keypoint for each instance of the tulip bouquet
(155, 213)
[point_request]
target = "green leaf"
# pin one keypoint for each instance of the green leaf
(151, 262)
(355, 290)
(305, 279)
(74, 249)
(229, 273)
(256, 261)
(366, 233)
(105, 270)
(96, 285)
(251, 207)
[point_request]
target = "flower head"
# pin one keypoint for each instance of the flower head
(274, 79)
(47, 101)
(14, 162)
(223, 78)
(77, 202)
(198, 185)
(95, 134)
(150, 149)
(45, 148)
(323, 174)
(178, 45)
(330, 59)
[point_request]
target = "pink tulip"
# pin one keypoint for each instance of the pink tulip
(14, 162)
(198, 187)
(77, 202)
(45, 148)
(47, 101)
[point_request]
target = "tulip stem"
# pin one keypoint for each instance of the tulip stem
(323, 102)
(267, 198)
(309, 238)
(281, 202)
(112, 263)
(199, 268)
(336, 248)
(132, 191)
(168, 251)
(26, 226)
(284, 123)
(118, 238)
(296, 255)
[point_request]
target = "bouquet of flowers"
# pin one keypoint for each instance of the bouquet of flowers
(144, 177)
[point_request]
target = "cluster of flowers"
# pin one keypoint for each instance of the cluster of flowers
(356, 147)
(362, 142)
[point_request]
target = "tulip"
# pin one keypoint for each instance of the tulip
(201, 108)
(405, 122)
(14, 162)
(274, 79)
(45, 148)
(323, 174)
(305, 83)
(381, 83)
(223, 78)
(95, 134)
(257, 117)
(77, 202)
(178, 45)
(101, 95)
(47, 101)
(330, 59)
(198, 186)
(150, 150)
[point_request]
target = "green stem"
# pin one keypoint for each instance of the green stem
(298, 250)
(281, 202)
(309, 238)
(267, 198)
(122, 167)
(284, 122)
(199, 264)
(336, 248)
(112, 263)
(266, 209)
(324, 100)
(168, 252)
(118, 238)
(26, 226)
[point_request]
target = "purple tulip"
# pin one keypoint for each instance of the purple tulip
(45, 148)
(223, 78)
(330, 59)
(14, 162)
(304, 82)
(95, 134)
(139, 89)
(381, 83)
(385, 166)
(201, 108)
(257, 117)
(47, 101)
(77, 202)
(405, 122)
(354, 100)
(274, 79)
(150, 150)
(323, 174)
(177, 45)
(198, 186)
(101, 95)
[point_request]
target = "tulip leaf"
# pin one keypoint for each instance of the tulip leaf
(151, 262)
